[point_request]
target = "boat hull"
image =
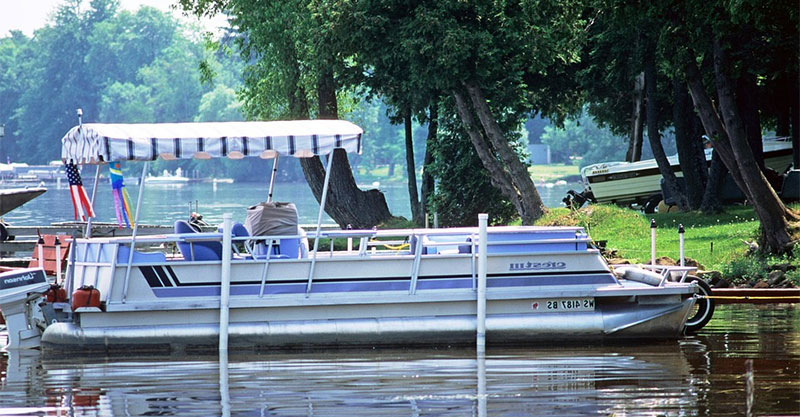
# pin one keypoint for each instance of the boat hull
(15, 197)
(610, 322)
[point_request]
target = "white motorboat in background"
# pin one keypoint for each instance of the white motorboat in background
(386, 288)
(166, 178)
(627, 183)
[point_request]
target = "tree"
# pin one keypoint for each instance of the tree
(463, 187)
(126, 103)
(13, 51)
(722, 118)
(56, 78)
(293, 65)
(653, 134)
(498, 61)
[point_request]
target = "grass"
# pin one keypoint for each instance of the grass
(713, 241)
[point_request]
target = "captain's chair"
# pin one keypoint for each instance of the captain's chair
(197, 251)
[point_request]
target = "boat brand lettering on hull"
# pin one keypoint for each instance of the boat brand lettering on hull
(536, 266)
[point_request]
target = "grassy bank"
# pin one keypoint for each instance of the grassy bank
(716, 242)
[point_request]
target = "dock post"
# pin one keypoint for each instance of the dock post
(680, 234)
(653, 242)
(225, 288)
(483, 220)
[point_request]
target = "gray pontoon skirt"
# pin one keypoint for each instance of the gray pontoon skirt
(611, 322)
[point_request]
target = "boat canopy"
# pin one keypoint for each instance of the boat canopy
(97, 143)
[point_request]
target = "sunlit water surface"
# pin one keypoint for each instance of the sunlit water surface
(163, 204)
(701, 375)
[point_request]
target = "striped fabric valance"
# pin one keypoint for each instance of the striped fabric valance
(93, 143)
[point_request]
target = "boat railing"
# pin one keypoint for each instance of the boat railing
(104, 255)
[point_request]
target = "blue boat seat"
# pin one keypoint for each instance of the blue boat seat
(139, 257)
(197, 251)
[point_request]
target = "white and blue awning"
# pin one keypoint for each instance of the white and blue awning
(93, 143)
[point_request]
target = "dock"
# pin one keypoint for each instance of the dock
(25, 237)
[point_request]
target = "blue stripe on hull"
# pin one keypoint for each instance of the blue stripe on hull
(422, 284)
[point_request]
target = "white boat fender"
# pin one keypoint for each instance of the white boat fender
(639, 275)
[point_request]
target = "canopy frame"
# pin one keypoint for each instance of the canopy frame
(102, 143)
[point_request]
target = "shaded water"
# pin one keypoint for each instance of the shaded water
(165, 204)
(700, 375)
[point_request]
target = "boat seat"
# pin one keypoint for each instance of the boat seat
(238, 230)
(429, 242)
(197, 251)
(139, 257)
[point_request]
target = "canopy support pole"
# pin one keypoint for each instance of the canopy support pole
(319, 221)
(272, 179)
(139, 199)
(88, 232)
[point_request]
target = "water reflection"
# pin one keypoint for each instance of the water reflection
(697, 376)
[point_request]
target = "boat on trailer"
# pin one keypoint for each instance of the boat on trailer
(261, 286)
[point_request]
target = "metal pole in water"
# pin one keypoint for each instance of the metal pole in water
(224, 385)
(483, 220)
(225, 288)
(653, 242)
(680, 233)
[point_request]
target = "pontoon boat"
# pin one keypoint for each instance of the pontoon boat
(348, 288)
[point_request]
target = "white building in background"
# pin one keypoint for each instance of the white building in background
(540, 153)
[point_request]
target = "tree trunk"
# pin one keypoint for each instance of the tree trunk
(770, 210)
(499, 177)
(427, 178)
(712, 124)
(530, 201)
(747, 102)
(691, 156)
(413, 197)
(637, 132)
(346, 203)
(670, 180)
(711, 197)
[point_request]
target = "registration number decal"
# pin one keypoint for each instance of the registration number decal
(563, 304)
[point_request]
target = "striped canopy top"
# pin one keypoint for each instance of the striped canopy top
(94, 143)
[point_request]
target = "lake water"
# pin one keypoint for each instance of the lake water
(165, 204)
(702, 375)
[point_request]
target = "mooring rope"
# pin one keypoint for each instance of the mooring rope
(748, 297)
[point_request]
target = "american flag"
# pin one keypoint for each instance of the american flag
(80, 201)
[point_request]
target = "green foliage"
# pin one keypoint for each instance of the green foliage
(463, 187)
(117, 66)
(126, 103)
(582, 137)
(745, 269)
